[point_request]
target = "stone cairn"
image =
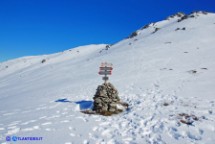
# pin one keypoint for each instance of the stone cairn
(107, 101)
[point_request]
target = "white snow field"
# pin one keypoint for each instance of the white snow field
(161, 74)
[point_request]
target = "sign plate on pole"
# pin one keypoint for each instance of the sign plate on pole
(105, 73)
(106, 68)
(105, 64)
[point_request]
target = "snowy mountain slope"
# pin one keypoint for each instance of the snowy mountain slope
(164, 70)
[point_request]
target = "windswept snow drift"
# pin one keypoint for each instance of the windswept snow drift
(165, 69)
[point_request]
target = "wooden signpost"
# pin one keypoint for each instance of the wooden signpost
(105, 69)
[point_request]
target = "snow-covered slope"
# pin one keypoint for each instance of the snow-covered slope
(163, 70)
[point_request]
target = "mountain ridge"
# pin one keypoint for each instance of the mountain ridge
(165, 73)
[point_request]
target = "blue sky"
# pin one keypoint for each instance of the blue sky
(34, 27)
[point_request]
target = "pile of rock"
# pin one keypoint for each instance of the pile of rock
(107, 101)
(187, 119)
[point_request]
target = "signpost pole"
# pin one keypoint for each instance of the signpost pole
(105, 75)
(105, 78)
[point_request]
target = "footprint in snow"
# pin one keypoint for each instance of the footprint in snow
(212, 103)
(95, 128)
(26, 111)
(106, 133)
(70, 128)
(8, 114)
(193, 137)
(201, 131)
(50, 129)
(47, 123)
(173, 132)
(65, 109)
(82, 118)
(13, 131)
(52, 117)
(104, 123)
(123, 124)
(72, 134)
(70, 115)
(64, 121)
(14, 123)
(1, 129)
(85, 142)
(64, 113)
(30, 129)
(54, 106)
(31, 121)
(42, 117)
(11, 127)
(40, 108)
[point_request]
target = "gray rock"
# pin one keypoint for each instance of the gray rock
(106, 99)
(105, 108)
(112, 105)
(112, 109)
(98, 100)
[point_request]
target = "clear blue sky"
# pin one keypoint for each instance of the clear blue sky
(33, 27)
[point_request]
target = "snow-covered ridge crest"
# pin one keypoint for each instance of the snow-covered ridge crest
(36, 61)
(178, 17)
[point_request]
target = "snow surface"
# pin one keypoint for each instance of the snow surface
(160, 74)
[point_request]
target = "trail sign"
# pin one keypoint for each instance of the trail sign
(105, 64)
(105, 69)
(105, 73)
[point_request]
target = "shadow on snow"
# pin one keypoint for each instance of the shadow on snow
(83, 104)
(64, 100)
